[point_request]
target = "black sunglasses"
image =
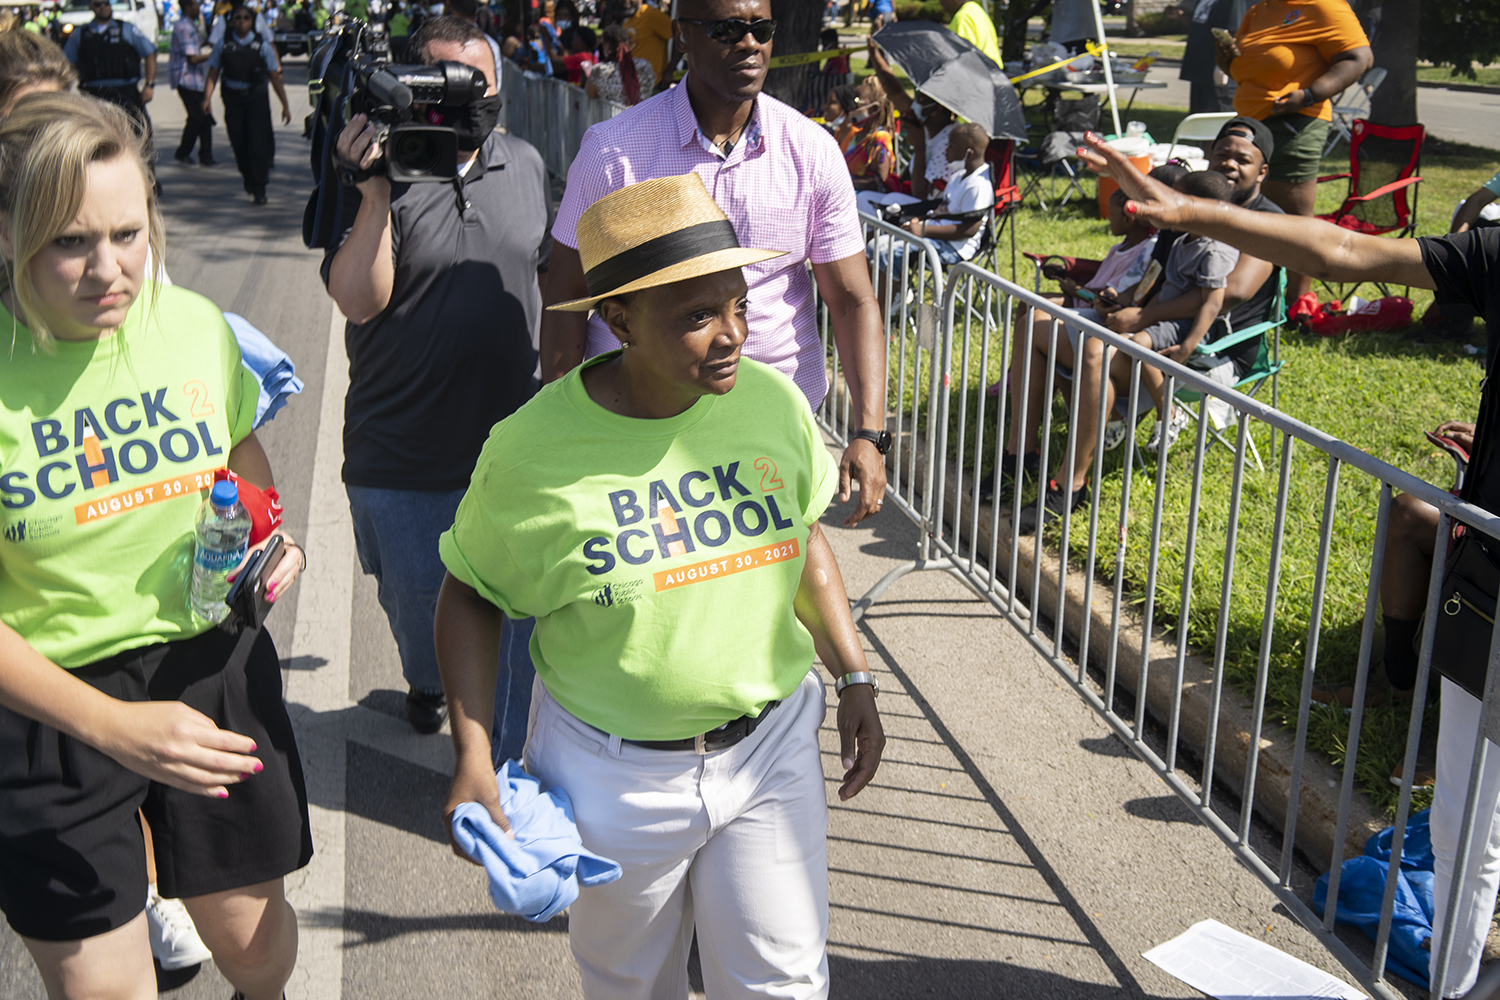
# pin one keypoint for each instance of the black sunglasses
(731, 29)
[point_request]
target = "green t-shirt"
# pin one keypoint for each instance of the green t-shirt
(399, 26)
(107, 448)
(659, 557)
(973, 23)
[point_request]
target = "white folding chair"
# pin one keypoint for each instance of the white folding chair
(1353, 103)
(1198, 128)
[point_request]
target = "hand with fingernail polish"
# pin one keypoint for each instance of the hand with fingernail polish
(176, 745)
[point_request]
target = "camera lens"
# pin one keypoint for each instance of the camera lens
(416, 152)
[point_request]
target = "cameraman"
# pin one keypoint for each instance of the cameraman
(439, 282)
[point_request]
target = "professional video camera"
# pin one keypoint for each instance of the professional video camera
(415, 151)
(351, 73)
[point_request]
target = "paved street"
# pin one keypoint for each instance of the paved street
(1010, 846)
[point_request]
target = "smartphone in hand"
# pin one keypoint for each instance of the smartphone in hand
(247, 602)
(1223, 36)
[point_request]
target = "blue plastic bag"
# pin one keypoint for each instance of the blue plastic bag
(1416, 846)
(1361, 890)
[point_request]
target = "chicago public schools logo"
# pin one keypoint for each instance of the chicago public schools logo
(16, 532)
(618, 593)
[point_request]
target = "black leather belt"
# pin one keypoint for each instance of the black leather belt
(715, 740)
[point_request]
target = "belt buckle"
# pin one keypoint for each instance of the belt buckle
(700, 744)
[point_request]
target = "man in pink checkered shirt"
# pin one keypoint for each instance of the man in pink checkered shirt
(781, 181)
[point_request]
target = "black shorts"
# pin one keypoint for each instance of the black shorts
(72, 859)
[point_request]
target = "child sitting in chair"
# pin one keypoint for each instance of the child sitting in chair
(1192, 295)
(969, 189)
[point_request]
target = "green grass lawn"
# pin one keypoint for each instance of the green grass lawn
(1375, 391)
(1489, 75)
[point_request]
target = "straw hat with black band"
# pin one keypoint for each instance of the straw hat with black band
(655, 233)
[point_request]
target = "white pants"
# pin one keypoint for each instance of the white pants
(1457, 730)
(734, 843)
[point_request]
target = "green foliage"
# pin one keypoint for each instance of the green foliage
(1460, 33)
(921, 10)
(1160, 22)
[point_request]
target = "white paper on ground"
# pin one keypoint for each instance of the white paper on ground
(1226, 964)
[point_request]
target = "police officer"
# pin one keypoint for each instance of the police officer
(108, 55)
(246, 62)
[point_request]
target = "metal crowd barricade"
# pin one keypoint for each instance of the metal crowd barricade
(549, 113)
(951, 437)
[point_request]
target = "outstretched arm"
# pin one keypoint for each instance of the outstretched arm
(822, 605)
(1308, 246)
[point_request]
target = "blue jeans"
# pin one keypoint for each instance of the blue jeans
(396, 534)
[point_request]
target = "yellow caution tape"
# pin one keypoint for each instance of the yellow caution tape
(1093, 50)
(801, 58)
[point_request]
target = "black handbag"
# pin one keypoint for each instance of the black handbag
(1466, 613)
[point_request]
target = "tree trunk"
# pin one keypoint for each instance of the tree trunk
(798, 23)
(1395, 47)
(1010, 25)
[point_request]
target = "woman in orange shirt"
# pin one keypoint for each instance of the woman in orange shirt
(1288, 58)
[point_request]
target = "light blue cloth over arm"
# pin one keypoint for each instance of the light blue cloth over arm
(537, 875)
(270, 366)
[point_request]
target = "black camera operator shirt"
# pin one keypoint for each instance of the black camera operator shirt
(1466, 267)
(455, 350)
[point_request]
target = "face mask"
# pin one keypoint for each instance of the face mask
(473, 122)
(916, 111)
(956, 167)
(563, 26)
(835, 122)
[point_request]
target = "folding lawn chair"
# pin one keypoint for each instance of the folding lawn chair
(1001, 156)
(1266, 367)
(1198, 128)
(1353, 103)
(1383, 164)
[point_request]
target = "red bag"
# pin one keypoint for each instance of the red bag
(1390, 313)
(263, 506)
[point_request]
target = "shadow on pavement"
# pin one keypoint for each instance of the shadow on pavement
(366, 927)
(900, 978)
(1166, 808)
(907, 978)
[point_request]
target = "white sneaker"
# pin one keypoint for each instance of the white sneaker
(1174, 428)
(175, 943)
(1114, 434)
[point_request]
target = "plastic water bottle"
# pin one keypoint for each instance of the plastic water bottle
(223, 533)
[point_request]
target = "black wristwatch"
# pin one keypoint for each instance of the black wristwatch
(880, 439)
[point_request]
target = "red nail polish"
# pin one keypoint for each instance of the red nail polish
(1130, 207)
(259, 767)
(224, 794)
(246, 777)
(252, 747)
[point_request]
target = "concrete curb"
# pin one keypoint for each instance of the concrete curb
(1317, 811)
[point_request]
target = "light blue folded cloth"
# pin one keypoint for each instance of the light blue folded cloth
(268, 363)
(537, 874)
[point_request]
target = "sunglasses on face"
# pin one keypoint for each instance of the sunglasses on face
(731, 29)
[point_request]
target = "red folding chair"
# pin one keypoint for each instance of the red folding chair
(1001, 156)
(1383, 179)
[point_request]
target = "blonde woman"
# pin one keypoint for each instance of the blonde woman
(119, 400)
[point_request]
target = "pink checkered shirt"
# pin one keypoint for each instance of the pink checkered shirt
(784, 187)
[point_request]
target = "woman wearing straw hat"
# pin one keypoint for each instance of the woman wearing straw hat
(657, 511)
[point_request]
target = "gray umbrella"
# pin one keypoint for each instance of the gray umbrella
(957, 75)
